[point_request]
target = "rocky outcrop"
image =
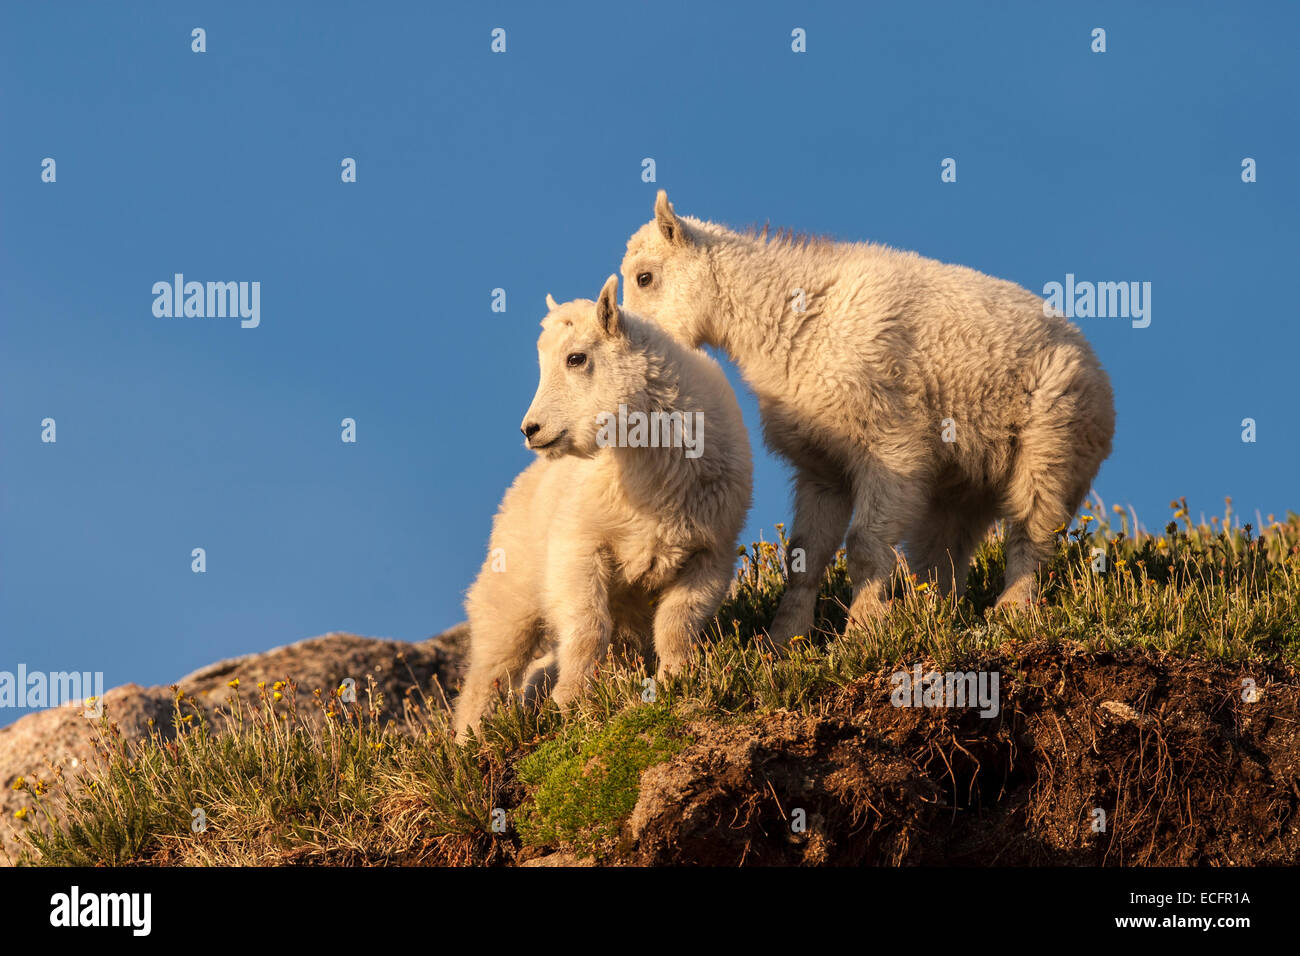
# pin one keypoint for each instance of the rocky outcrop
(62, 737)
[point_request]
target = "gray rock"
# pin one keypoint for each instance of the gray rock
(34, 745)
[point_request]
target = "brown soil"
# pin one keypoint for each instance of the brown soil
(1187, 772)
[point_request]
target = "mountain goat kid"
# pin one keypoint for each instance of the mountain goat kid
(625, 527)
(917, 400)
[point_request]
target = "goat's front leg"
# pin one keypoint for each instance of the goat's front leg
(686, 605)
(578, 598)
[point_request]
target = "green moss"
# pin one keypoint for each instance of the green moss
(585, 786)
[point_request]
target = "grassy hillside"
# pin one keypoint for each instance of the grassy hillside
(1121, 690)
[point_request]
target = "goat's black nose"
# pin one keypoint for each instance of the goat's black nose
(530, 429)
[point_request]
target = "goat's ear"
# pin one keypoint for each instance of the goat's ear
(669, 225)
(607, 315)
(551, 304)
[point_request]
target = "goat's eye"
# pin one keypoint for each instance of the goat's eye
(576, 359)
(643, 279)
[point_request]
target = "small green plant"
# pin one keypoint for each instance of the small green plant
(585, 785)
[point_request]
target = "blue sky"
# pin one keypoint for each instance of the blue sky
(522, 171)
